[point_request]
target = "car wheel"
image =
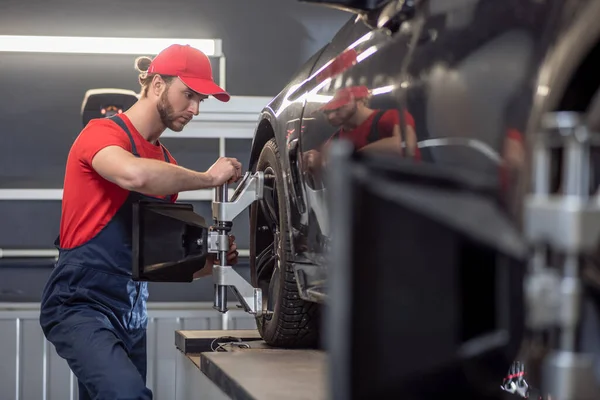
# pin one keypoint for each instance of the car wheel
(287, 320)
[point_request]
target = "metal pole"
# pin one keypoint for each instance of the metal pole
(221, 196)
(222, 72)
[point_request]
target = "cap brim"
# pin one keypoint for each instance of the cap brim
(206, 87)
(333, 105)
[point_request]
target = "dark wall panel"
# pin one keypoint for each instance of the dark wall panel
(29, 224)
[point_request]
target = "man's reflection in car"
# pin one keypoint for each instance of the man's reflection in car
(366, 128)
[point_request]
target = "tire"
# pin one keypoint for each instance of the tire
(290, 322)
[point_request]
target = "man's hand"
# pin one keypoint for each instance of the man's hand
(232, 259)
(225, 170)
(312, 159)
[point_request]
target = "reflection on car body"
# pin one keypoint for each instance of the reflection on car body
(453, 86)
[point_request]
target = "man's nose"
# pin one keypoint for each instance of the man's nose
(194, 107)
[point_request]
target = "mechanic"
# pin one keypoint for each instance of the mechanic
(368, 129)
(91, 309)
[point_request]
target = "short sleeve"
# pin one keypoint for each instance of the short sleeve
(99, 135)
(387, 122)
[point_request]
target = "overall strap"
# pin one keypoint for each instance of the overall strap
(336, 135)
(117, 120)
(374, 133)
(169, 198)
(167, 159)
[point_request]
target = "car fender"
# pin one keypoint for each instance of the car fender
(266, 129)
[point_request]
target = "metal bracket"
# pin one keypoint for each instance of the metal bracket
(248, 191)
(567, 222)
(249, 296)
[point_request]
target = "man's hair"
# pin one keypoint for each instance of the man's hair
(145, 79)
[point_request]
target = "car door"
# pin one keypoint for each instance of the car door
(368, 59)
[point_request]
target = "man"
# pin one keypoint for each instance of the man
(91, 309)
(368, 129)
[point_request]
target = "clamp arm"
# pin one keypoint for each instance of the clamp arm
(248, 191)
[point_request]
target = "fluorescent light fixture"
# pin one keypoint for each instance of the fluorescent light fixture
(383, 90)
(102, 45)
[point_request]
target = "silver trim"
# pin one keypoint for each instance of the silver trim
(56, 194)
(28, 253)
(45, 357)
(18, 360)
(53, 253)
(157, 309)
(72, 388)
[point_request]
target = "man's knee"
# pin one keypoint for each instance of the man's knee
(113, 375)
(99, 360)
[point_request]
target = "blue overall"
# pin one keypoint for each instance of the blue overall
(95, 314)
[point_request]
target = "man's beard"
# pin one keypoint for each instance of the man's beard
(344, 120)
(167, 115)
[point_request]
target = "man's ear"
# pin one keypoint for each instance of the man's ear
(158, 85)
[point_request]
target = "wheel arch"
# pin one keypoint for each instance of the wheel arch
(265, 131)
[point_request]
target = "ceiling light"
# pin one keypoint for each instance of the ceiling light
(101, 45)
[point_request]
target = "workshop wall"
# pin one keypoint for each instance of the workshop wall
(265, 42)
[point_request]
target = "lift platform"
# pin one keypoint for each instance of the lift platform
(237, 364)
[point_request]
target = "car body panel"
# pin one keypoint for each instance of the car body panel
(375, 57)
(471, 77)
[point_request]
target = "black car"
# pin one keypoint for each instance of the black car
(454, 87)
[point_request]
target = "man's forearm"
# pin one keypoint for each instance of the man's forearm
(389, 144)
(411, 141)
(160, 178)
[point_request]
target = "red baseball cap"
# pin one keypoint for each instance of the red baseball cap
(344, 96)
(191, 66)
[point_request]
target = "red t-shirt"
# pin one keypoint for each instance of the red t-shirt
(360, 135)
(90, 201)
